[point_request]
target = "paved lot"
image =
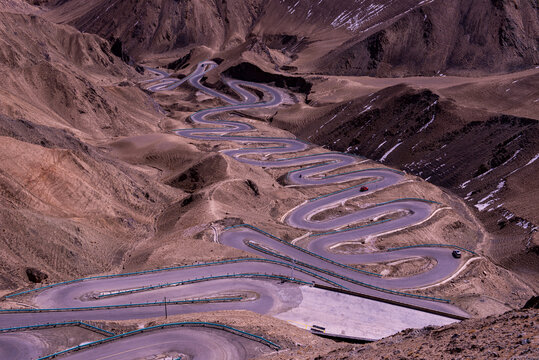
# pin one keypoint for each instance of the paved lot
(354, 316)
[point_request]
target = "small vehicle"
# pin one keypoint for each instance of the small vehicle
(363, 188)
(456, 254)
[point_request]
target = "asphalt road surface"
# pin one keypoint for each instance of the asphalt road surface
(187, 343)
(23, 346)
(317, 263)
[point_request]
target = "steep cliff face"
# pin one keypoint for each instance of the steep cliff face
(379, 38)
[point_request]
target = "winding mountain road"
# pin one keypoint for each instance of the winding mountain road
(182, 343)
(275, 280)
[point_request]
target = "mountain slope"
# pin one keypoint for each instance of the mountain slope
(447, 131)
(512, 335)
(450, 37)
(67, 207)
(381, 38)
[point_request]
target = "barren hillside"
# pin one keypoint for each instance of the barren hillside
(66, 206)
(512, 335)
(448, 132)
(96, 179)
(380, 38)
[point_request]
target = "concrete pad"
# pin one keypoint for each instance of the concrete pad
(355, 316)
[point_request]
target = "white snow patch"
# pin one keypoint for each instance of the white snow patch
(327, 122)
(366, 108)
(483, 203)
(383, 158)
(485, 173)
(508, 215)
(108, 8)
(533, 160)
(528, 163)
(431, 105)
(427, 124)
(482, 207)
(512, 157)
(379, 146)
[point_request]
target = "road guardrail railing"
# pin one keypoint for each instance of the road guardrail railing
(119, 306)
(433, 245)
(227, 328)
(144, 272)
(55, 325)
(303, 250)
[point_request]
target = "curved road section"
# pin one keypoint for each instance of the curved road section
(271, 285)
(316, 173)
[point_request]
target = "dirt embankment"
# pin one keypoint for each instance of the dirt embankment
(487, 158)
(511, 335)
(67, 208)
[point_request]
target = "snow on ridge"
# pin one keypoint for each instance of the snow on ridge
(533, 160)
(352, 19)
(292, 9)
(464, 184)
(523, 223)
(379, 146)
(482, 205)
(427, 124)
(528, 163)
(512, 157)
(383, 158)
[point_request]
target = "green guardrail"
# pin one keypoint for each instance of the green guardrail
(144, 272)
(354, 281)
(433, 245)
(163, 326)
(117, 306)
(49, 325)
(303, 250)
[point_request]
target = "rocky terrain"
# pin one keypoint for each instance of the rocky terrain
(382, 38)
(430, 130)
(93, 182)
(65, 204)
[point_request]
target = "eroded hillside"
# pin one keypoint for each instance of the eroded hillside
(95, 178)
(67, 206)
(380, 38)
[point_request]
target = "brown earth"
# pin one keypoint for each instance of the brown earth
(382, 38)
(513, 335)
(91, 180)
(96, 177)
(472, 151)
(67, 207)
